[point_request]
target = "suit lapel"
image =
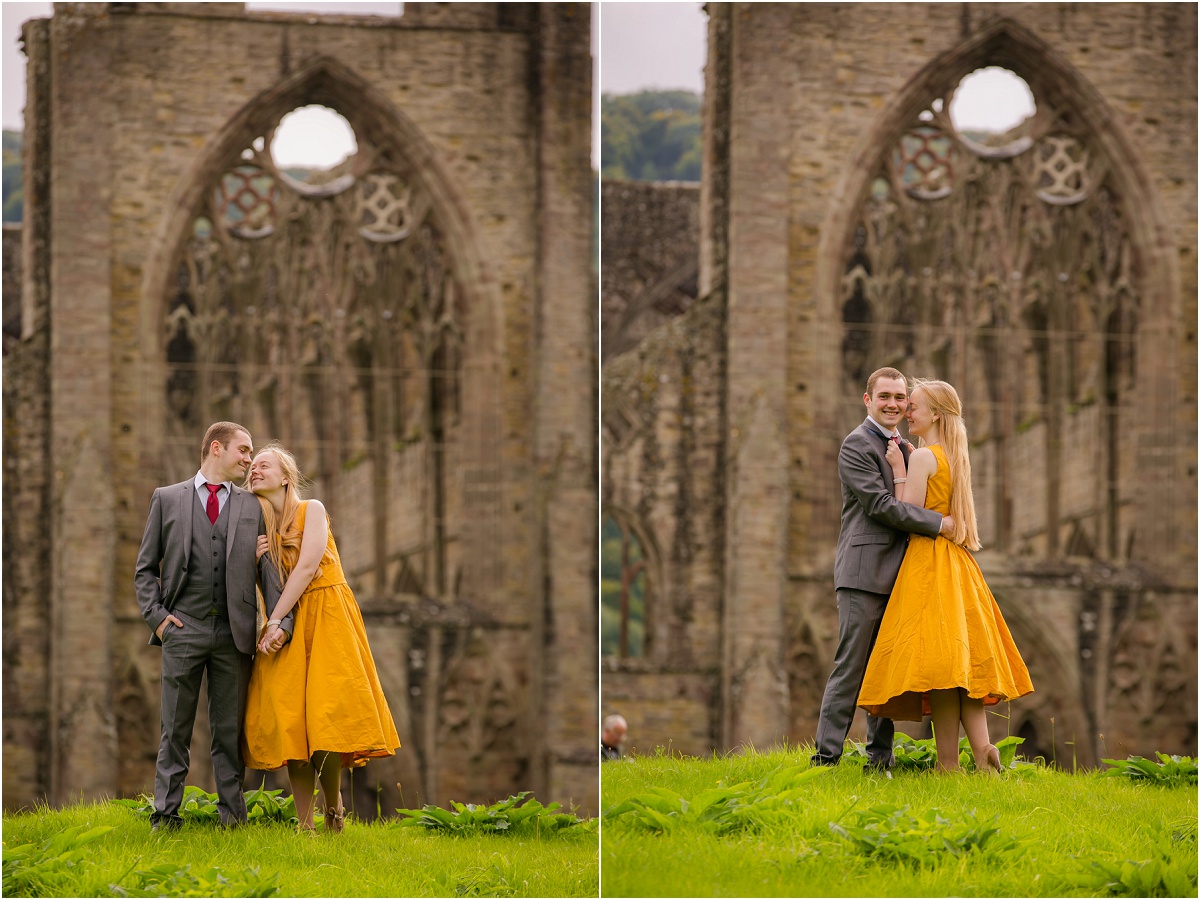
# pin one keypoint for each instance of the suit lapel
(185, 519)
(872, 430)
(904, 447)
(234, 505)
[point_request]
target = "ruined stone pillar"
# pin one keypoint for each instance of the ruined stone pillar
(564, 707)
(83, 750)
(755, 681)
(26, 461)
(714, 174)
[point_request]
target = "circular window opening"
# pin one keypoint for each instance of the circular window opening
(310, 142)
(989, 104)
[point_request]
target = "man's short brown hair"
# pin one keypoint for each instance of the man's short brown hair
(220, 431)
(885, 372)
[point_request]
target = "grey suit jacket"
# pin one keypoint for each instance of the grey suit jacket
(162, 561)
(875, 525)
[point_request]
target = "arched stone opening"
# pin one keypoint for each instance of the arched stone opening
(351, 317)
(1027, 271)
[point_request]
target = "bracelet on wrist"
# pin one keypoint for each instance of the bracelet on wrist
(899, 480)
(274, 622)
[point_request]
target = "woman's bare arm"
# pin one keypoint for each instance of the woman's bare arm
(312, 548)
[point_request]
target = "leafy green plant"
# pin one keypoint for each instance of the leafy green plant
(889, 833)
(200, 806)
(1059, 818)
(1169, 770)
(518, 812)
(1148, 878)
(914, 754)
(1170, 872)
(169, 880)
(373, 859)
(268, 806)
(44, 870)
(721, 809)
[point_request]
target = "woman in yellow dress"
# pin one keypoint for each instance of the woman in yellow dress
(315, 703)
(943, 647)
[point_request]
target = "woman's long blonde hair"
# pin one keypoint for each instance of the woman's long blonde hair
(283, 534)
(944, 403)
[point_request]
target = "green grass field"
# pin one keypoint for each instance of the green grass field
(376, 860)
(728, 827)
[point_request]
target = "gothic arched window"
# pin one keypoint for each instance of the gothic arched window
(1002, 261)
(320, 304)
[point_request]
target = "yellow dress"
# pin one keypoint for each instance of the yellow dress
(321, 691)
(942, 627)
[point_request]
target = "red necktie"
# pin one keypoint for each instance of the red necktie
(212, 507)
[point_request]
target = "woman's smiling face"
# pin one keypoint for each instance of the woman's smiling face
(266, 474)
(920, 416)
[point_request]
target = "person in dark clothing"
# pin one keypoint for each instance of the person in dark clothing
(612, 736)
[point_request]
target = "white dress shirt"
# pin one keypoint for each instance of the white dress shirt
(202, 492)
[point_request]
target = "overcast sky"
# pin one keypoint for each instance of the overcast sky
(652, 46)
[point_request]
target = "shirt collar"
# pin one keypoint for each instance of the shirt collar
(199, 481)
(881, 429)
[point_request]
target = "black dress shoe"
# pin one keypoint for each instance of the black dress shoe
(165, 825)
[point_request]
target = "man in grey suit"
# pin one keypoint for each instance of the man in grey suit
(195, 580)
(871, 545)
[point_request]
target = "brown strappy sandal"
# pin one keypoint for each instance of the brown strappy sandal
(335, 822)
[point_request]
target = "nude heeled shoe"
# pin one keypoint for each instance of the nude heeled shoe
(991, 761)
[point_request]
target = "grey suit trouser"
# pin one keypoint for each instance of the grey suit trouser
(202, 645)
(859, 615)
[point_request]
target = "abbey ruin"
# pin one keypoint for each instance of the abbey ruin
(845, 223)
(418, 325)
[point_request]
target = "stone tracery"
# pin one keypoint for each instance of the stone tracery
(329, 318)
(1006, 268)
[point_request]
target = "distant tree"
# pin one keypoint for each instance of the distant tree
(650, 136)
(14, 188)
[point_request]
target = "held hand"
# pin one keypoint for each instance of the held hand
(273, 640)
(162, 627)
(262, 547)
(895, 459)
(947, 529)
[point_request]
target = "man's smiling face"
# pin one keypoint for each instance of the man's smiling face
(887, 405)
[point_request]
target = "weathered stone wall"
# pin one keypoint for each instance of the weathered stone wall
(1125, 74)
(487, 108)
(1090, 545)
(650, 236)
(26, 627)
(29, 692)
(12, 283)
(663, 468)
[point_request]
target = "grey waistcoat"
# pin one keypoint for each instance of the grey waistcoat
(205, 586)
